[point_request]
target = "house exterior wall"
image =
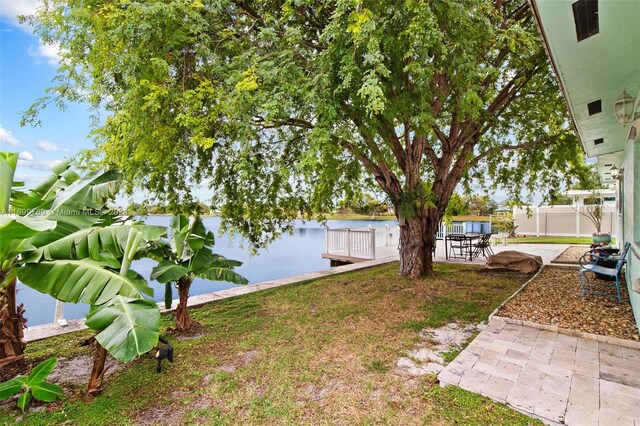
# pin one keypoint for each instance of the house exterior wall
(630, 209)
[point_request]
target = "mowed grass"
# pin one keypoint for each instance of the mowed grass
(557, 240)
(320, 352)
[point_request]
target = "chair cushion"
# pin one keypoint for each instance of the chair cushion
(515, 261)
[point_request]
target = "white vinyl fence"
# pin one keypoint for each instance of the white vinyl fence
(561, 221)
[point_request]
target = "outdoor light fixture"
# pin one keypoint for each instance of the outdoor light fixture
(623, 108)
(163, 353)
(616, 172)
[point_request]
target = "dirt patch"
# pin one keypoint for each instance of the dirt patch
(78, 369)
(245, 358)
(571, 255)
(427, 357)
(553, 298)
(196, 331)
(173, 413)
(164, 415)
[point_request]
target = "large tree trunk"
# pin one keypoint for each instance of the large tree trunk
(183, 320)
(12, 324)
(417, 242)
(94, 387)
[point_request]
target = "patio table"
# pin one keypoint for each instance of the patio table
(465, 244)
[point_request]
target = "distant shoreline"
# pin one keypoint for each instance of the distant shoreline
(329, 217)
(349, 216)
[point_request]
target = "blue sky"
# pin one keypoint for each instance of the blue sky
(26, 70)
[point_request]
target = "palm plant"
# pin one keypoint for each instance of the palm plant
(61, 204)
(56, 239)
(185, 256)
(93, 266)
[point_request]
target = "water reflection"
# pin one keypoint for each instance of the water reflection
(293, 254)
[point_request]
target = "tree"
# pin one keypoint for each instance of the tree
(457, 206)
(188, 255)
(367, 204)
(284, 106)
(60, 205)
(93, 266)
(592, 209)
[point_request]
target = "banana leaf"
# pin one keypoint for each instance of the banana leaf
(128, 327)
(93, 242)
(87, 280)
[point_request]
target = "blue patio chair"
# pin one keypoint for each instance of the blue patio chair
(600, 266)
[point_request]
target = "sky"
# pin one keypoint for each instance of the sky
(26, 70)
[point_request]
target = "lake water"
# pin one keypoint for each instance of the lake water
(290, 255)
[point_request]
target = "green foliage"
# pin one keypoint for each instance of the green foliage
(284, 107)
(502, 223)
(363, 203)
(65, 244)
(33, 385)
(189, 254)
(128, 327)
(589, 179)
(92, 266)
(453, 405)
(593, 209)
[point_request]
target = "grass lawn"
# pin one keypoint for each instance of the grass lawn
(320, 352)
(558, 240)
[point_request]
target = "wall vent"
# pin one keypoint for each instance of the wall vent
(585, 15)
(595, 107)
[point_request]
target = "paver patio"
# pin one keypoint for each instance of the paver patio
(556, 377)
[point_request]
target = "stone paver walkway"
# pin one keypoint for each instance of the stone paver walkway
(557, 377)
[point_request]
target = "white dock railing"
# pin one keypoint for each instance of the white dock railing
(351, 242)
(362, 242)
(456, 228)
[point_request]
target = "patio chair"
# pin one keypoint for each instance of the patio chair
(458, 246)
(592, 263)
(483, 246)
(512, 233)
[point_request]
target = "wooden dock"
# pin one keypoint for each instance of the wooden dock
(354, 245)
(341, 258)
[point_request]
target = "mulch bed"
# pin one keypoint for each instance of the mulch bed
(552, 298)
(571, 255)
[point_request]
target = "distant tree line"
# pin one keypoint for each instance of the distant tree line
(145, 209)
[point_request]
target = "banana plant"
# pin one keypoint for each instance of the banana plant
(33, 386)
(185, 256)
(94, 266)
(61, 204)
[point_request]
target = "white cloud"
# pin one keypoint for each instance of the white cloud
(30, 180)
(9, 12)
(12, 8)
(48, 146)
(26, 155)
(49, 53)
(39, 164)
(7, 137)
